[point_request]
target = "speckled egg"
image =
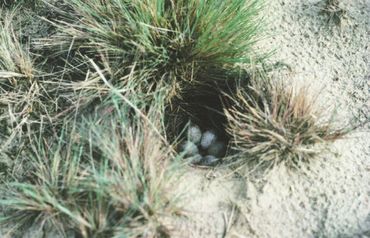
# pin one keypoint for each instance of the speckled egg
(189, 148)
(217, 149)
(208, 138)
(196, 159)
(194, 134)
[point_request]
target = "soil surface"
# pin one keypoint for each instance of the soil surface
(331, 196)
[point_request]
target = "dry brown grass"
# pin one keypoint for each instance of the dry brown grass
(108, 177)
(18, 87)
(272, 123)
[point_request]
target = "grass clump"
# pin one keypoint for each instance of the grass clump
(14, 3)
(15, 59)
(108, 178)
(272, 123)
(18, 88)
(28, 98)
(335, 13)
(178, 42)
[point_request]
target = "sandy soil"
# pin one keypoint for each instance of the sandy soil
(329, 198)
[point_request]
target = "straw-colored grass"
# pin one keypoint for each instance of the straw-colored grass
(272, 122)
(108, 177)
(18, 88)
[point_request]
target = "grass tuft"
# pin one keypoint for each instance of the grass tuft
(272, 123)
(109, 178)
(15, 60)
(335, 13)
(17, 3)
(178, 42)
(18, 87)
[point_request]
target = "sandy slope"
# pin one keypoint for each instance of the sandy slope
(330, 198)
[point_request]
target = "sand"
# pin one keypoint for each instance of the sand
(331, 196)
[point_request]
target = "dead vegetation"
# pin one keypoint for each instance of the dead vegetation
(272, 122)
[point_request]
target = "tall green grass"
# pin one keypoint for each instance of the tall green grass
(178, 42)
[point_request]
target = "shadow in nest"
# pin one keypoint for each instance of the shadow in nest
(203, 105)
